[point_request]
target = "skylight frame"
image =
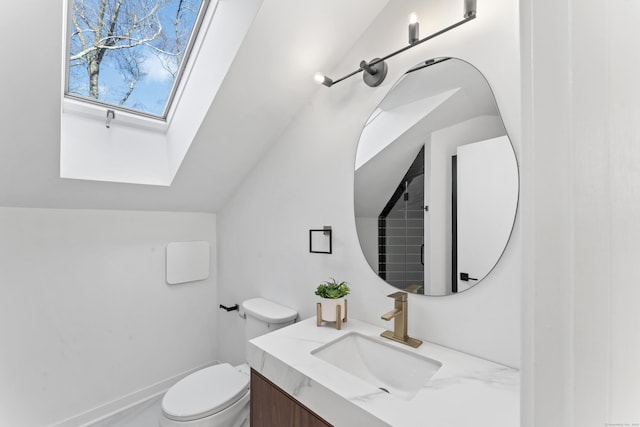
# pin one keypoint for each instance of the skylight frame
(169, 104)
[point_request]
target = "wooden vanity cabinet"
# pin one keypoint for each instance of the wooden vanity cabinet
(273, 407)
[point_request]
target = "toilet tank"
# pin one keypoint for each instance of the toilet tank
(264, 316)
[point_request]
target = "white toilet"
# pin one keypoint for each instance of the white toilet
(218, 396)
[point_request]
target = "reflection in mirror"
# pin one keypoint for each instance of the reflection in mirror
(436, 181)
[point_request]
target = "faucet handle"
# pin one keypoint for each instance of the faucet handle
(398, 296)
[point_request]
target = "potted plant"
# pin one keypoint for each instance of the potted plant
(333, 295)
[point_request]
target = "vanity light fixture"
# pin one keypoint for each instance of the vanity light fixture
(375, 70)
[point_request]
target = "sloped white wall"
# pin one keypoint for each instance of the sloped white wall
(306, 181)
(85, 312)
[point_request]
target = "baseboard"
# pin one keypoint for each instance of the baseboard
(121, 404)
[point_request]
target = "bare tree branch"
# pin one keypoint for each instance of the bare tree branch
(119, 29)
(111, 46)
(79, 32)
(130, 65)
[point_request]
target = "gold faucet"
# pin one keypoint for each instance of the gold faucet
(399, 313)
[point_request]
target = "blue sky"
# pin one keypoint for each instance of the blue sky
(151, 91)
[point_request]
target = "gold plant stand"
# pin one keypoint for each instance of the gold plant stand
(339, 318)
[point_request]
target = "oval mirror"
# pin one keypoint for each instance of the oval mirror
(436, 181)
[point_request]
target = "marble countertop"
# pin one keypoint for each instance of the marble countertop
(465, 391)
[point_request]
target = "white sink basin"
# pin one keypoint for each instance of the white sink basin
(395, 370)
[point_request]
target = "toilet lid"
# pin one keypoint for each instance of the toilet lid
(204, 393)
(268, 311)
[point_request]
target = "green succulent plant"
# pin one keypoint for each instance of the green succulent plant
(332, 289)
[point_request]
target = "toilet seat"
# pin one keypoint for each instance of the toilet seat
(205, 393)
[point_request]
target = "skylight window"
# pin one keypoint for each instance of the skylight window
(130, 54)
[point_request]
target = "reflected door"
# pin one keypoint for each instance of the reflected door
(486, 183)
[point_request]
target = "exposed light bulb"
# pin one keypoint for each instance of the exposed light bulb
(321, 79)
(414, 29)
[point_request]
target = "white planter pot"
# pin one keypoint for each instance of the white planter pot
(329, 308)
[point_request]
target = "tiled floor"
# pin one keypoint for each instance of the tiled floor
(145, 414)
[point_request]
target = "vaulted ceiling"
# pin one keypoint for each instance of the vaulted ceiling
(269, 81)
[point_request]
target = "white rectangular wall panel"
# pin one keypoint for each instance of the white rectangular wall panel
(187, 262)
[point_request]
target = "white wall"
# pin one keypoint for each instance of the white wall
(306, 181)
(581, 204)
(86, 316)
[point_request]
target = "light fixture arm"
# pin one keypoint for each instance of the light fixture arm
(366, 67)
(370, 66)
(429, 37)
(374, 72)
